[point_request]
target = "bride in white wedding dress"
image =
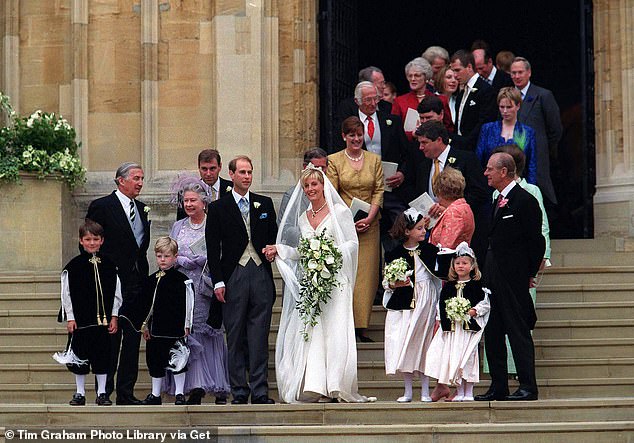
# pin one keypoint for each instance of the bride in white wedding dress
(324, 367)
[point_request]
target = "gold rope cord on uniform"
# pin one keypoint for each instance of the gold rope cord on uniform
(158, 276)
(101, 319)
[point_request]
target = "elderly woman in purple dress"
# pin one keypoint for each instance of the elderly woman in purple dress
(207, 363)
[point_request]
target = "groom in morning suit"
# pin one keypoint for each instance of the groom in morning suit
(238, 228)
(514, 254)
(126, 239)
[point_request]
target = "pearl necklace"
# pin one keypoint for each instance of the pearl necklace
(315, 212)
(196, 226)
(354, 159)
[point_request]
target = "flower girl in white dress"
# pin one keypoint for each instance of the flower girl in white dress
(452, 357)
(410, 319)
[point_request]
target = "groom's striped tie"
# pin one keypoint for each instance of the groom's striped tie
(132, 212)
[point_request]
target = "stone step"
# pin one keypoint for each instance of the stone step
(579, 349)
(378, 413)
(367, 370)
(585, 310)
(56, 337)
(30, 301)
(590, 274)
(568, 293)
(21, 282)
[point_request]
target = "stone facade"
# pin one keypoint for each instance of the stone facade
(156, 81)
(614, 113)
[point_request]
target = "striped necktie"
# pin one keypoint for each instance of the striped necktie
(132, 211)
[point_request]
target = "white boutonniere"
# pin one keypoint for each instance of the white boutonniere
(474, 89)
(451, 160)
(147, 209)
(472, 103)
(388, 122)
(228, 189)
(256, 205)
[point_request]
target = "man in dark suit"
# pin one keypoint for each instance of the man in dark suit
(238, 228)
(475, 104)
(514, 254)
(435, 154)
(384, 136)
(539, 110)
(486, 69)
(209, 167)
(126, 239)
(349, 106)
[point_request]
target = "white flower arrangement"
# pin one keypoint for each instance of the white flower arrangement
(458, 309)
(451, 160)
(147, 209)
(256, 205)
(320, 261)
(42, 143)
(228, 189)
(388, 122)
(396, 270)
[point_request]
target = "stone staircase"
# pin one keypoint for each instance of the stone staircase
(585, 367)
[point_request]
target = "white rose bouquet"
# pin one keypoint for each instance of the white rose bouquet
(396, 270)
(458, 309)
(320, 261)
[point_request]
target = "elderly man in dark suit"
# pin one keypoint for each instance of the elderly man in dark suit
(475, 105)
(498, 79)
(126, 239)
(539, 110)
(238, 228)
(514, 255)
(209, 167)
(436, 154)
(385, 137)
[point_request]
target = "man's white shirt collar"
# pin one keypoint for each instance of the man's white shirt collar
(442, 158)
(237, 197)
(492, 74)
(508, 188)
(472, 81)
(124, 199)
(524, 90)
(364, 118)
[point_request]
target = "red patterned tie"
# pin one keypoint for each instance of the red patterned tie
(370, 127)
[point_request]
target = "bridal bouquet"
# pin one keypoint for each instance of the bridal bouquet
(320, 261)
(396, 270)
(458, 309)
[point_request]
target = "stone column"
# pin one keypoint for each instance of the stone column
(149, 86)
(247, 87)
(79, 82)
(11, 51)
(614, 114)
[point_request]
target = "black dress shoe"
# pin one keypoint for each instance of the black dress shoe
(262, 400)
(196, 396)
(522, 395)
(364, 339)
(491, 395)
(77, 400)
(180, 400)
(220, 400)
(103, 400)
(239, 400)
(152, 400)
(128, 401)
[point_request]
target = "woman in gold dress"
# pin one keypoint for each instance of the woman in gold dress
(355, 172)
